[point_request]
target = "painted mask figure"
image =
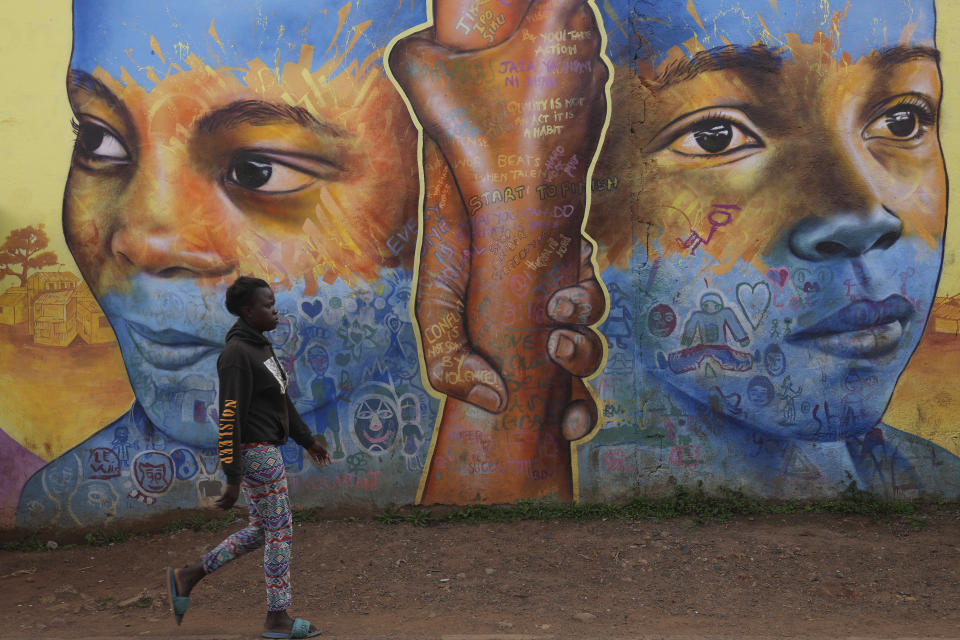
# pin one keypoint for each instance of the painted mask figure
(760, 391)
(376, 423)
(773, 360)
(153, 472)
(661, 321)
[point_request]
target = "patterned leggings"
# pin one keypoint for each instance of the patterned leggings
(265, 487)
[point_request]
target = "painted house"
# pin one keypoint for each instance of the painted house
(55, 318)
(44, 282)
(48, 281)
(92, 326)
(13, 306)
(946, 315)
(56, 307)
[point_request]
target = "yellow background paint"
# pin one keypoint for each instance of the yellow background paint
(35, 133)
(948, 40)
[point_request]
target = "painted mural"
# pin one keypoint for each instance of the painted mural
(548, 249)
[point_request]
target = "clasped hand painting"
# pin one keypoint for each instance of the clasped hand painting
(521, 249)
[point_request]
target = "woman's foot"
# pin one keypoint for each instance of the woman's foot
(179, 584)
(280, 625)
(186, 578)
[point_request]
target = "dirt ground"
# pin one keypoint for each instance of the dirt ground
(799, 576)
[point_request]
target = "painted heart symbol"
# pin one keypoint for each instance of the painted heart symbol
(731, 402)
(779, 276)
(312, 309)
(753, 300)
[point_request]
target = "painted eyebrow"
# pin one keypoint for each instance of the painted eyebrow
(905, 53)
(757, 57)
(85, 81)
(260, 112)
(255, 112)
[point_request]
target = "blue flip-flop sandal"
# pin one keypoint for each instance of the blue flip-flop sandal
(178, 604)
(300, 629)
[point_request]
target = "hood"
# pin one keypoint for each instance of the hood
(242, 331)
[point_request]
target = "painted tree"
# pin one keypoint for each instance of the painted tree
(23, 249)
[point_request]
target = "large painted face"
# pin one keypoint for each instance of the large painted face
(793, 206)
(219, 139)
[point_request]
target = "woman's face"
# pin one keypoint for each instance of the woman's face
(261, 313)
(175, 190)
(809, 194)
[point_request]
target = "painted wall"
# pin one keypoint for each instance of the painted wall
(541, 250)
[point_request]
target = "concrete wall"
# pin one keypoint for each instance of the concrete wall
(552, 250)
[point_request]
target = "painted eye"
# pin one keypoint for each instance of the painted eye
(266, 175)
(714, 136)
(96, 142)
(902, 122)
(908, 120)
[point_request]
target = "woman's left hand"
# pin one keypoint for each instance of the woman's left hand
(319, 453)
(229, 496)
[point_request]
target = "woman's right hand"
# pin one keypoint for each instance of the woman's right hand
(229, 496)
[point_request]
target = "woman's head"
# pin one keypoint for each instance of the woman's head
(240, 294)
(252, 300)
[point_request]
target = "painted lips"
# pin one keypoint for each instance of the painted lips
(862, 329)
(169, 349)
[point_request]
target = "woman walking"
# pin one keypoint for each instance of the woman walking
(256, 417)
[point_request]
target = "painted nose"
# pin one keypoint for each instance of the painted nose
(170, 223)
(845, 235)
(165, 253)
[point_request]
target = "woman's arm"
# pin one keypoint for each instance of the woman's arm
(236, 387)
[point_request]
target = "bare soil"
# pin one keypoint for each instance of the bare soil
(807, 575)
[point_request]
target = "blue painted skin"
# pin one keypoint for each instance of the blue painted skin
(867, 25)
(115, 34)
(782, 417)
(818, 431)
(165, 446)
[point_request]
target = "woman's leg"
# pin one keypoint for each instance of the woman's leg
(272, 501)
(271, 524)
(266, 483)
(239, 543)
